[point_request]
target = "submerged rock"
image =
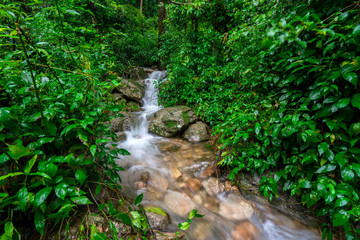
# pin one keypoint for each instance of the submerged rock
(171, 121)
(197, 132)
(178, 203)
(236, 208)
(246, 231)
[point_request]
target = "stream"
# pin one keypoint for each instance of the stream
(177, 176)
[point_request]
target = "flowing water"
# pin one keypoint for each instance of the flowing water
(177, 177)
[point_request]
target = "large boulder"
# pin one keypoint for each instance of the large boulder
(171, 121)
(197, 132)
(131, 90)
(138, 73)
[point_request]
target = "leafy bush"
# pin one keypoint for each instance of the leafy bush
(55, 156)
(280, 86)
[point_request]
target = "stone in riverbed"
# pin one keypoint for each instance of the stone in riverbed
(178, 203)
(171, 121)
(132, 90)
(158, 219)
(213, 187)
(246, 231)
(194, 184)
(236, 208)
(197, 132)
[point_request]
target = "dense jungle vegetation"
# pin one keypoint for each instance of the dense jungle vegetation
(279, 83)
(59, 61)
(277, 80)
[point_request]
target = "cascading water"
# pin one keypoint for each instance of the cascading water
(171, 175)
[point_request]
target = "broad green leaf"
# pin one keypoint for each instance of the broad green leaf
(343, 102)
(4, 158)
(138, 199)
(4, 114)
(93, 150)
(156, 210)
(81, 175)
(356, 32)
(98, 189)
(18, 151)
(347, 174)
(351, 77)
(39, 221)
(29, 165)
(356, 128)
(87, 121)
(356, 100)
(123, 152)
(124, 217)
(61, 190)
(41, 196)
(304, 183)
(340, 218)
(340, 202)
(68, 128)
(73, 12)
(326, 168)
(323, 147)
(23, 198)
(82, 200)
(11, 175)
(257, 128)
(315, 94)
(184, 226)
(356, 168)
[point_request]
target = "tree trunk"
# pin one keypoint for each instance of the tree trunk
(141, 5)
(162, 15)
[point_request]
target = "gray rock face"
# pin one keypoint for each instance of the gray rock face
(197, 132)
(171, 121)
(157, 221)
(131, 90)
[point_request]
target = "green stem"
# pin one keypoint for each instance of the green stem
(32, 78)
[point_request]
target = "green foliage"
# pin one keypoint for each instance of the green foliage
(280, 86)
(54, 104)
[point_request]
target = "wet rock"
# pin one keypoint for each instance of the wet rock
(195, 168)
(149, 70)
(120, 136)
(178, 203)
(138, 73)
(194, 184)
(157, 218)
(212, 186)
(171, 121)
(197, 132)
(236, 208)
(210, 171)
(132, 90)
(116, 124)
(126, 126)
(166, 146)
(228, 186)
(175, 173)
(140, 184)
(169, 236)
(117, 97)
(246, 231)
(153, 193)
(200, 231)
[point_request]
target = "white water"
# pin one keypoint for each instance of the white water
(149, 171)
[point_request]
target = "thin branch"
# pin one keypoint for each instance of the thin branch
(32, 78)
